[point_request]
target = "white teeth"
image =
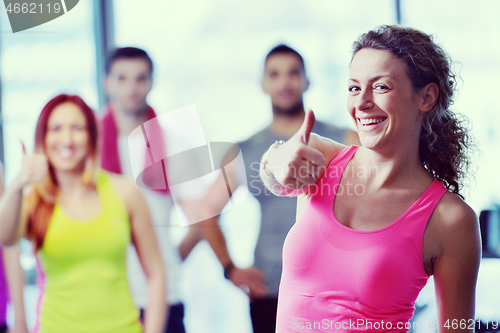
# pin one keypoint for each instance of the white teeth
(368, 121)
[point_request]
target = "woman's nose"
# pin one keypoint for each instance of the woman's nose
(67, 136)
(365, 100)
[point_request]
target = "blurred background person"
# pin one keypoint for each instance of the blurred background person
(80, 220)
(128, 82)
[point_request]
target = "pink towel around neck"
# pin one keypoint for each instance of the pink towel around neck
(155, 176)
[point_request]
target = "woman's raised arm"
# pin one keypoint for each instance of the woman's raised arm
(12, 224)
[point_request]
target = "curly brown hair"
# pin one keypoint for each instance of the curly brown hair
(444, 138)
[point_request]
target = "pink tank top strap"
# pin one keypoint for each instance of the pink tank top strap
(414, 220)
(423, 208)
(326, 187)
(343, 158)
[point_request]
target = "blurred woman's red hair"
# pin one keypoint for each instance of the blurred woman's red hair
(41, 199)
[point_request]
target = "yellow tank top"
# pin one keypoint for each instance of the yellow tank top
(82, 272)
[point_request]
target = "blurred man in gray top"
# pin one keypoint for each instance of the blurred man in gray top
(284, 81)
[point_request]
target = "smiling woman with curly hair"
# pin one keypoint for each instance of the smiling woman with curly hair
(444, 141)
(365, 243)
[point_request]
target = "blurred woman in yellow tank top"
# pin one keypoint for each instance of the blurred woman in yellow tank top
(80, 221)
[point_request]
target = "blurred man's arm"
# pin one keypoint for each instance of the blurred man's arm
(209, 207)
(189, 242)
(202, 213)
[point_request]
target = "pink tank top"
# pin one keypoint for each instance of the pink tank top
(337, 279)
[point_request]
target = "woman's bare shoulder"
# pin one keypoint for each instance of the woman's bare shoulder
(125, 189)
(455, 224)
(452, 212)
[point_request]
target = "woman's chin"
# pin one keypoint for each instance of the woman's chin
(68, 166)
(369, 143)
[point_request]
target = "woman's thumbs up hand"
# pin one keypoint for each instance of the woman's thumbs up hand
(294, 164)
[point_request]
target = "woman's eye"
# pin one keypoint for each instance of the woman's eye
(381, 87)
(354, 89)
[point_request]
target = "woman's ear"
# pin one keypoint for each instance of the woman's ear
(429, 96)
